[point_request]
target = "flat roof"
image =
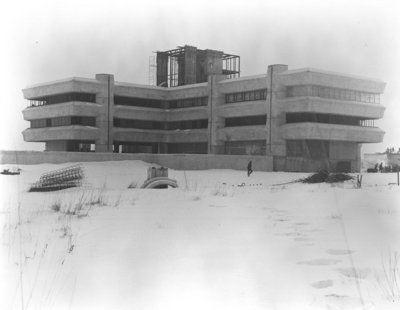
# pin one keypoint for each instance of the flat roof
(70, 79)
(308, 69)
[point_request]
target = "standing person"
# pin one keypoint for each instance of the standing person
(380, 167)
(249, 168)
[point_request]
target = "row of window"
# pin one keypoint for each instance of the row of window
(61, 98)
(160, 104)
(64, 121)
(138, 102)
(327, 119)
(144, 124)
(171, 148)
(187, 103)
(154, 125)
(122, 100)
(246, 120)
(331, 93)
(252, 95)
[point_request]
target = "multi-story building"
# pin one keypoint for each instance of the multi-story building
(306, 118)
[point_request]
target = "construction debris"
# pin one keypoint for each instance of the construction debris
(325, 176)
(59, 179)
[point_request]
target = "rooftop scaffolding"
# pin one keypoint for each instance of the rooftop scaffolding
(189, 65)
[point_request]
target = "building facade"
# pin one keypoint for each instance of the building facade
(307, 119)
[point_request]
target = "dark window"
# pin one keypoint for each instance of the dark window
(325, 118)
(187, 148)
(138, 102)
(80, 146)
(259, 94)
(318, 149)
(160, 104)
(154, 125)
(64, 121)
(187, 103)
(38, 123)
(315, 149)
(246, 121)
(294, 148)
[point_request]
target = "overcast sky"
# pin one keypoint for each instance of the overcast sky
(49, 40)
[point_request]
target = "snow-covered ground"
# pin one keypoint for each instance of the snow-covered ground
(209, 244)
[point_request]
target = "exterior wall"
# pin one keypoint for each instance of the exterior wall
(331, 106)
(173, 161)
(65, 109)
(121, 111)
(140, 135)
(64, 86)
(61, 133)
(320, 131)
(331, 79)
(142, 91)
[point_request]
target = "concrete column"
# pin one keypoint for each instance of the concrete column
(162, 69)
(275, 145)
(215, 122)
(213, 62)
(105, 98)
(190, 65)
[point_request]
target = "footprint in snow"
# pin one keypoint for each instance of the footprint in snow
(291, 234)
(320, 262)
(336, 301)
(302, 223)
(216, 206)
(322, 284)
(304, 239)
(281, 220)
(339, 252)
(360, 273)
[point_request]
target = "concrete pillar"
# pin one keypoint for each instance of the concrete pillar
(105, 98)
(215, 122)
(213, 62)
(275, 145)
(162, 69)
(190, 65)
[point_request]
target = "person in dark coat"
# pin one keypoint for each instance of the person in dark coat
(380, 167)
(249, 168)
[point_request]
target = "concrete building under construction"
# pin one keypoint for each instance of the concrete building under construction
(303, 119)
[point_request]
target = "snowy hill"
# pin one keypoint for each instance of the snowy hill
(221, 240)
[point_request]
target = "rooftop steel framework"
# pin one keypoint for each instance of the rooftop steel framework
(189, 65)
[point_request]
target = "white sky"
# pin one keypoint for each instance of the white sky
(48, 40)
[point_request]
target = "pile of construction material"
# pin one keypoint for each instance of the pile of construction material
(59, 179)
(325, 176)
